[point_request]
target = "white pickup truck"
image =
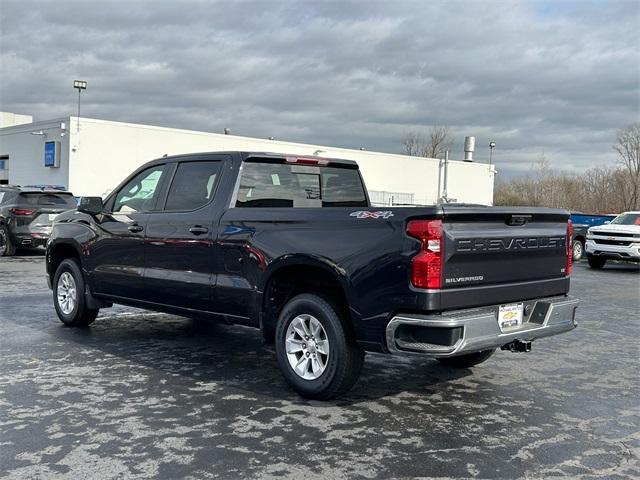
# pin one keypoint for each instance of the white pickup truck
(618, 240)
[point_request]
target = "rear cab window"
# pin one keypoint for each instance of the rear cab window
(47, 199)
(276, 184)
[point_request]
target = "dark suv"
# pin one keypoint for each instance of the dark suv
(26, 215)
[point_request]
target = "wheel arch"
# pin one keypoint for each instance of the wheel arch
(57, 251)
(292, 275)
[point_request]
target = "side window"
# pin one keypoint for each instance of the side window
(193, 185)
(140, 193)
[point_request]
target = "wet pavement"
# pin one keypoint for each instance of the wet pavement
(147, 395)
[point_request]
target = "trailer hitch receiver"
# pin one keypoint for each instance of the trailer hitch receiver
(517, 346)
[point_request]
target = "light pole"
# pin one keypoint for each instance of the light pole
(80, 85)
(492, 145)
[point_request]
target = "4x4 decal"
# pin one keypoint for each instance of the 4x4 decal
(366, 214)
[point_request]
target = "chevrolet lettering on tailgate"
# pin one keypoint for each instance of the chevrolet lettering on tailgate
(509, 244)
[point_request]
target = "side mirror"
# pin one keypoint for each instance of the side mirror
(91, 205)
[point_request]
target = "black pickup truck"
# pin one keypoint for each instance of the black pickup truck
(291, 245)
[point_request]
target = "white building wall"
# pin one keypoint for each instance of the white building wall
(471, 182)
(26, 153)
(9, 119)
(106, 152)
(98, 157)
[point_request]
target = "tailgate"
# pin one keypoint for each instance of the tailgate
(499, 246)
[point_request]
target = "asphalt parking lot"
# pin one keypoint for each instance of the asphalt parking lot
(141, 395)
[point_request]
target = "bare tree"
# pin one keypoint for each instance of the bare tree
(610, 189)
(432, 146)
(439, 141)
(597, 190)
(413, 144)
(628, 148)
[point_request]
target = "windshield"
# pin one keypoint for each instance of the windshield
(627, 219)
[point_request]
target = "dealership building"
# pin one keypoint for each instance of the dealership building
(91, 157)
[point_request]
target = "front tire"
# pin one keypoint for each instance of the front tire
(315, 352)
(68, 295)
(7, 248)
(597, 263)
(468, 360)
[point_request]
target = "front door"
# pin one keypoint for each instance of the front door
(116, 259)
(179, 266)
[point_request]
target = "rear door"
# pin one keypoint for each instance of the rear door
(179, 237)
(116, 260)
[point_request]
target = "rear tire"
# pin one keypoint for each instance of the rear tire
(7, 248)
(468, 360)
(578, 250)
(68, 295)
(315, 352)
(597, 263)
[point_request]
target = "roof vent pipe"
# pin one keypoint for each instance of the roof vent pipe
(469, 148)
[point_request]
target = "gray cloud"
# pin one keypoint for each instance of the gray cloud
(557, 78)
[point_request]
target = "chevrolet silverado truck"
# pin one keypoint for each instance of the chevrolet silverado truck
(290, 245)
(618, 240)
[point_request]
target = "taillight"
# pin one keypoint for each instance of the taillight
(569, 247)
(426, 266)
(21, 211)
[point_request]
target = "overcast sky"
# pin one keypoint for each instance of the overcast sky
(537, 77)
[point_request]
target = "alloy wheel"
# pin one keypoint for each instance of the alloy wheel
(67, 293)
(577, 250)
(307, 347)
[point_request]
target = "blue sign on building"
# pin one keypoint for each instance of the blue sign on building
(50, 154)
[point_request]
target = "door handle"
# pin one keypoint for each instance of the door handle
(198, 230)
(135, 228)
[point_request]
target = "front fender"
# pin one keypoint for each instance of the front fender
(69, 235)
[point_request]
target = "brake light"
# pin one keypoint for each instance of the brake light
(21, 211)
(569, 247)
(307, 161)
(426, 266)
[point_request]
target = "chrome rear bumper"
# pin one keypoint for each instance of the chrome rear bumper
(477, 329)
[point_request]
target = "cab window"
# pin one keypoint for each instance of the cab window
(193, 185)
(281, 185)
(141, 192)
